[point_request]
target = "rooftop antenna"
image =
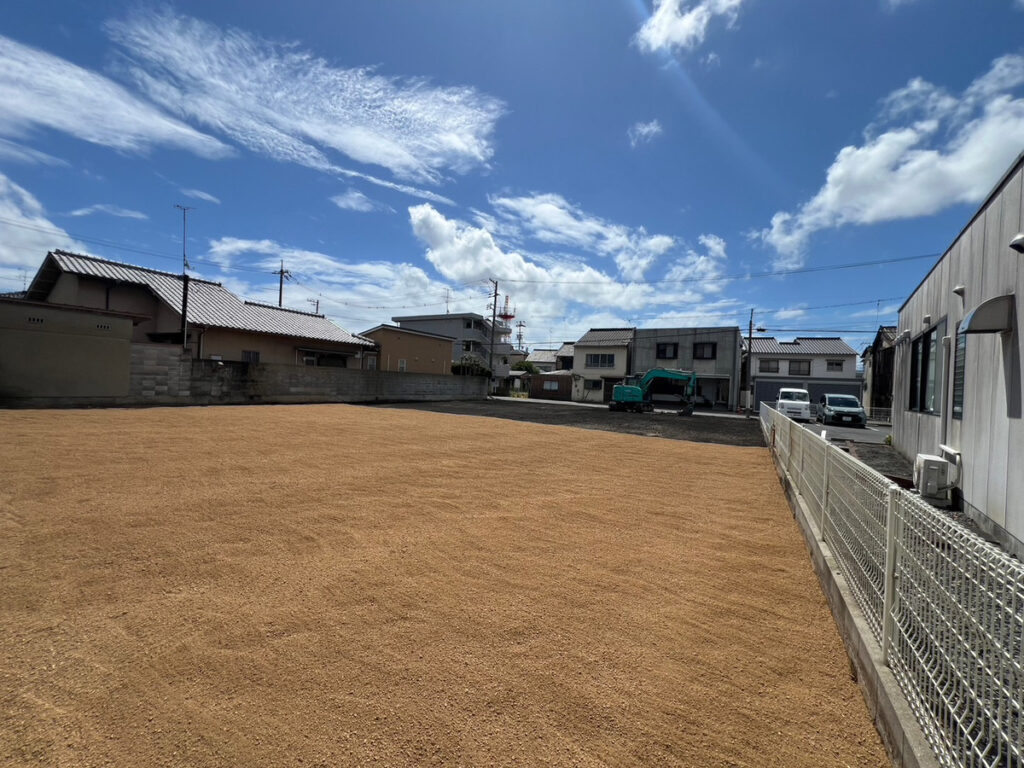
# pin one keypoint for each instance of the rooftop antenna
(447, 301)
(316, 305)
(184, 273)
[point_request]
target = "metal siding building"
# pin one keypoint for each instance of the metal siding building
(984, 385)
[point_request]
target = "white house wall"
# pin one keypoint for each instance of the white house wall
(990, 436)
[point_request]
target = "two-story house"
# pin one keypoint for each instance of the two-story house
(712, 353)
(878, 359)
(825, 365)
(600, 361)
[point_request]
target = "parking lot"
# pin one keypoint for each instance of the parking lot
(872, 433)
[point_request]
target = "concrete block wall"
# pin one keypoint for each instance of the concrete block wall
(160, 374)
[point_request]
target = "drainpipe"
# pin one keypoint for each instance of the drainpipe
(946, 410)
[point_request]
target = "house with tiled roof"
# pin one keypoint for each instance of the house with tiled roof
(601, 360)
(821, 365)
(543, 359)
(220, 325)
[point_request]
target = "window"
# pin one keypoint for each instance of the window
(959, 367)
(834, 366)
(309, 359)
(666, 351)
(467, 323)
(768, 366)
(799, 367)
(550, 386)
(401, 365)
(250, 355)
(467, 346)
(925, 370)
(705, 351)
(592, 383)
(600, 361)
(371, 363)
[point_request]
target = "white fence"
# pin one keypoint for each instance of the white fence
(946, 607)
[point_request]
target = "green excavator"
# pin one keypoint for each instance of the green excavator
(634, 393)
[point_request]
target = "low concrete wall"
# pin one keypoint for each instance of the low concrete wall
(161, 375)
(903, 738)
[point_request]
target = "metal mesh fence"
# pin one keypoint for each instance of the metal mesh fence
(854, 528)
(946, 607)
(958, 638)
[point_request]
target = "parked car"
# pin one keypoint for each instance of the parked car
(795, 403)
(845, 410)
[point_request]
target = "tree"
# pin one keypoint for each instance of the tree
(468, 365)
(526, 365)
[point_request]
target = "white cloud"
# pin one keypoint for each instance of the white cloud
(198, 194)
(354, 200)
(682, 23)
(17, 153)
(551, 219)
(701, 272)
(39, 90)
(944, 150)
(27, 233)
(111, 210)
(288, 104)
(790, 314)
(643, 133)
(711, 61)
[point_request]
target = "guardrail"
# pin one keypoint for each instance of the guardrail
(945, 607)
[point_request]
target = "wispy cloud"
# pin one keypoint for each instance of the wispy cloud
(287, 103)
(28, 233)
(354, 200)
(643, 133)
(790, 314)
(39, 90)
(111, 210)
(683, 24)
(198, 194)
(17, 153)
(929, 149)
(551, 219)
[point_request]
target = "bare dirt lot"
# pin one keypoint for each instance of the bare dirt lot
(701, 427)
(335, 585)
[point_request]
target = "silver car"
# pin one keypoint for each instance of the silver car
(844, 410)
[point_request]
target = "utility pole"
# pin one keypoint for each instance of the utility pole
(282, 273)
(494, 320)
(184, 274)
(447, 300)
(750, 363)
(316, 303)
(520, 325)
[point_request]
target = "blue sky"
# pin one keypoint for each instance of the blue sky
(609, 163)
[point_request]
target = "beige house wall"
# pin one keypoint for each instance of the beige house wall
(618, 371)
(56, 352)
(422, 354)
(82, 291)
(227, 344)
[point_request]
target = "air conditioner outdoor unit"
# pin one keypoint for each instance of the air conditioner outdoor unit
(931, 477)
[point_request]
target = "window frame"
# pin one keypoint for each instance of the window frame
(713, 345)
(658, 349)
(830, 366)
(804, 370)
(599, 360)
(924, 393)
(769, 361)
(251, 356)
(549, 386)
(959, 383)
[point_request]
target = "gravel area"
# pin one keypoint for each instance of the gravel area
(347, 586)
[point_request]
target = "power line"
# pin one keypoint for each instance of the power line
(744, 276)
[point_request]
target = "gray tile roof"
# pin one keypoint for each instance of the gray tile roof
(541, 356)
(566, 350)
(211, 304)
(802, 345)
(606, 337)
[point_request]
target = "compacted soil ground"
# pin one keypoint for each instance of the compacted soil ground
(701, 427)
(336, 585)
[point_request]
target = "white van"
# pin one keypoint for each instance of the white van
(795, 403)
